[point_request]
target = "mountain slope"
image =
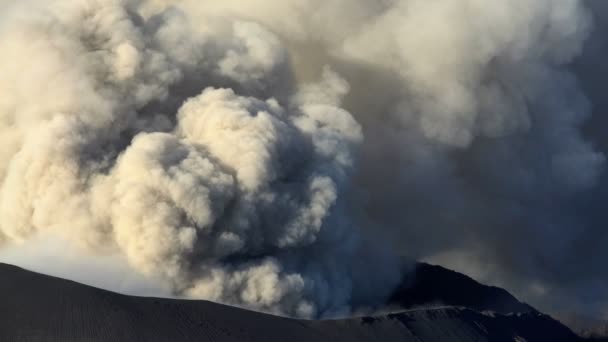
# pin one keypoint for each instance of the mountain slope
(35, 307)
(434, 285)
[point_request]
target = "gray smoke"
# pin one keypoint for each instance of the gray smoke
(287, 156)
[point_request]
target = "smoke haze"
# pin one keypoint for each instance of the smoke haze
(289, 156)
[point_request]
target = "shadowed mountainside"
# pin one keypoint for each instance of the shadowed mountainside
(430, 284)
(36, 307)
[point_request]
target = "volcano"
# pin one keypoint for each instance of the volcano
(433, 304)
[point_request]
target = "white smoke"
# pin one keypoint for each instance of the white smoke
(255, 152)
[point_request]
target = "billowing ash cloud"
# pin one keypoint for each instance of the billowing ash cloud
(285, 156)
(162, 139)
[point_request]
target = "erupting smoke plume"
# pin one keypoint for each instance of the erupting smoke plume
(263, 153)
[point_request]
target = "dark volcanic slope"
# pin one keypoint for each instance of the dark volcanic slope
(35, 307)
(430, 284)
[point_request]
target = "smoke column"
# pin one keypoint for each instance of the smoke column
(288, 156)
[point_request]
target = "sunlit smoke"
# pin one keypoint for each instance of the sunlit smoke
(287, 156)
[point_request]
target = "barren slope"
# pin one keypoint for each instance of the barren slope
(35, 307)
